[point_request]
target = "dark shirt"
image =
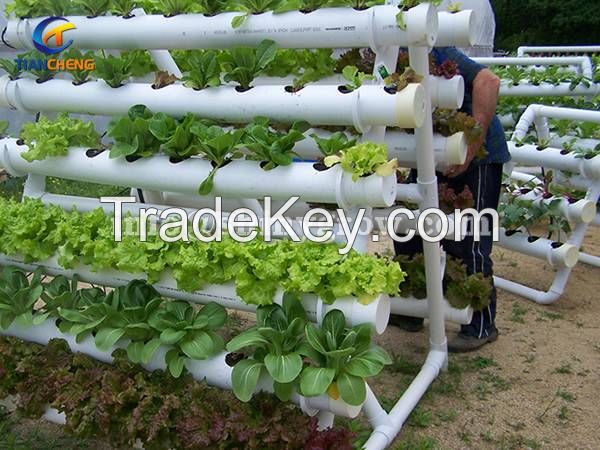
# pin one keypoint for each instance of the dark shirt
(495, 141)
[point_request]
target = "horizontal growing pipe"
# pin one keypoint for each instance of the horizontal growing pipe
(325, 28)
(560, 141)
(214, 371)
(554, 158)
(375, 313)
(548, 90)
(240, 179)
(420, 308)
(581, 211)
(583, 63)
(366, 106)
(555, 253)
(402, 146)
(537, 115)
(445, 93)
(523, 50)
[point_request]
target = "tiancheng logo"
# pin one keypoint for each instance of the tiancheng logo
(41, 36)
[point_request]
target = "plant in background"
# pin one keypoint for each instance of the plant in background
(205, 70)
(363, 160)
(18, 295)
(11, 68)
(113, 70)
(191, 331)
(58, 7)
(140, 62)
(48, 138)
(336, 143)
(354, 77)
(448, 122)
(3, 127)
(451, 201)
(340, 359)
(363, 59)
(172, 8)
(80, 76)
(415, 284)
(93, 8)
(123, 7)
(316, 64)
(132, 134)
(399, 82)
(219, 147)
(275, 341)
(473, 290)
(272, 148)
(243, 64)
(163, 79)
(448, 69)
(211, 7)
(250, 7)
(23, 8)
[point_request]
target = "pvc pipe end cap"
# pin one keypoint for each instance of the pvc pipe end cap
(566, 255)
(456, 149)
(422, 25)
(411, 106)
(468, 21)
(586, 210)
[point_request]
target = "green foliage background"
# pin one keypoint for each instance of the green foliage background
(546, 22)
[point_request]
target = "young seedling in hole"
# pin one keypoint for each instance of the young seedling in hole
(11, 68)
(80, 76)
(122, 7)
(454, 7)
(93, 8)
(163, 79)
(355, 78)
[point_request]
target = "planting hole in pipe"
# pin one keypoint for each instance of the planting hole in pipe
(176, 160)
(242, 89)
(132, 159)
(93, 152)
(293, 90)
(320, 166)
(345, 89)
(231, 359)
(532, 239)
(556, 245)
(510, 233)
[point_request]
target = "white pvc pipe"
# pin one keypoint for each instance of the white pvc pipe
(583, 63)
(457, 29)
(402, 146)
(445, 93)
(581, 211)
(591, 260)
(367, 106)
(240, 179)
(529, 155)
(523, 50)
(420, 308)
(548, 90)
(559, 141)
(563, 255)
(387, 429)
(376, 313)
(214, 371)
(323, 28)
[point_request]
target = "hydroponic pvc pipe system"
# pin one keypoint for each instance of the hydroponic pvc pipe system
(557, 254)
(548, 90)
(582, 64)
(375, 313)
(318, 105)
(240, 179)
(586, 177)
(420, 308)
(215, 371)
(581, 211)
(557, 49)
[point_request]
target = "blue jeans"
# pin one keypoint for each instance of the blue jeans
(484, 182)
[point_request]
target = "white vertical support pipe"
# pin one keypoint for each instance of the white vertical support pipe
(427, 181)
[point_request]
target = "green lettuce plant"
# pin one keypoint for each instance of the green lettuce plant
(363, 160)
(48, 138)
(340, 359)
(113, 70)
(275, 341)
(243, 64)
(176, 137)
(273, 148)
(336, 143)
(79, 76)
(354, 77)
(205, 70)
(10, 67)
(123, 7)
(191, 331)
(132, 134)
(17, 296)
(93, 8)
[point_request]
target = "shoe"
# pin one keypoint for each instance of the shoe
(464, 343)
(406, 323)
